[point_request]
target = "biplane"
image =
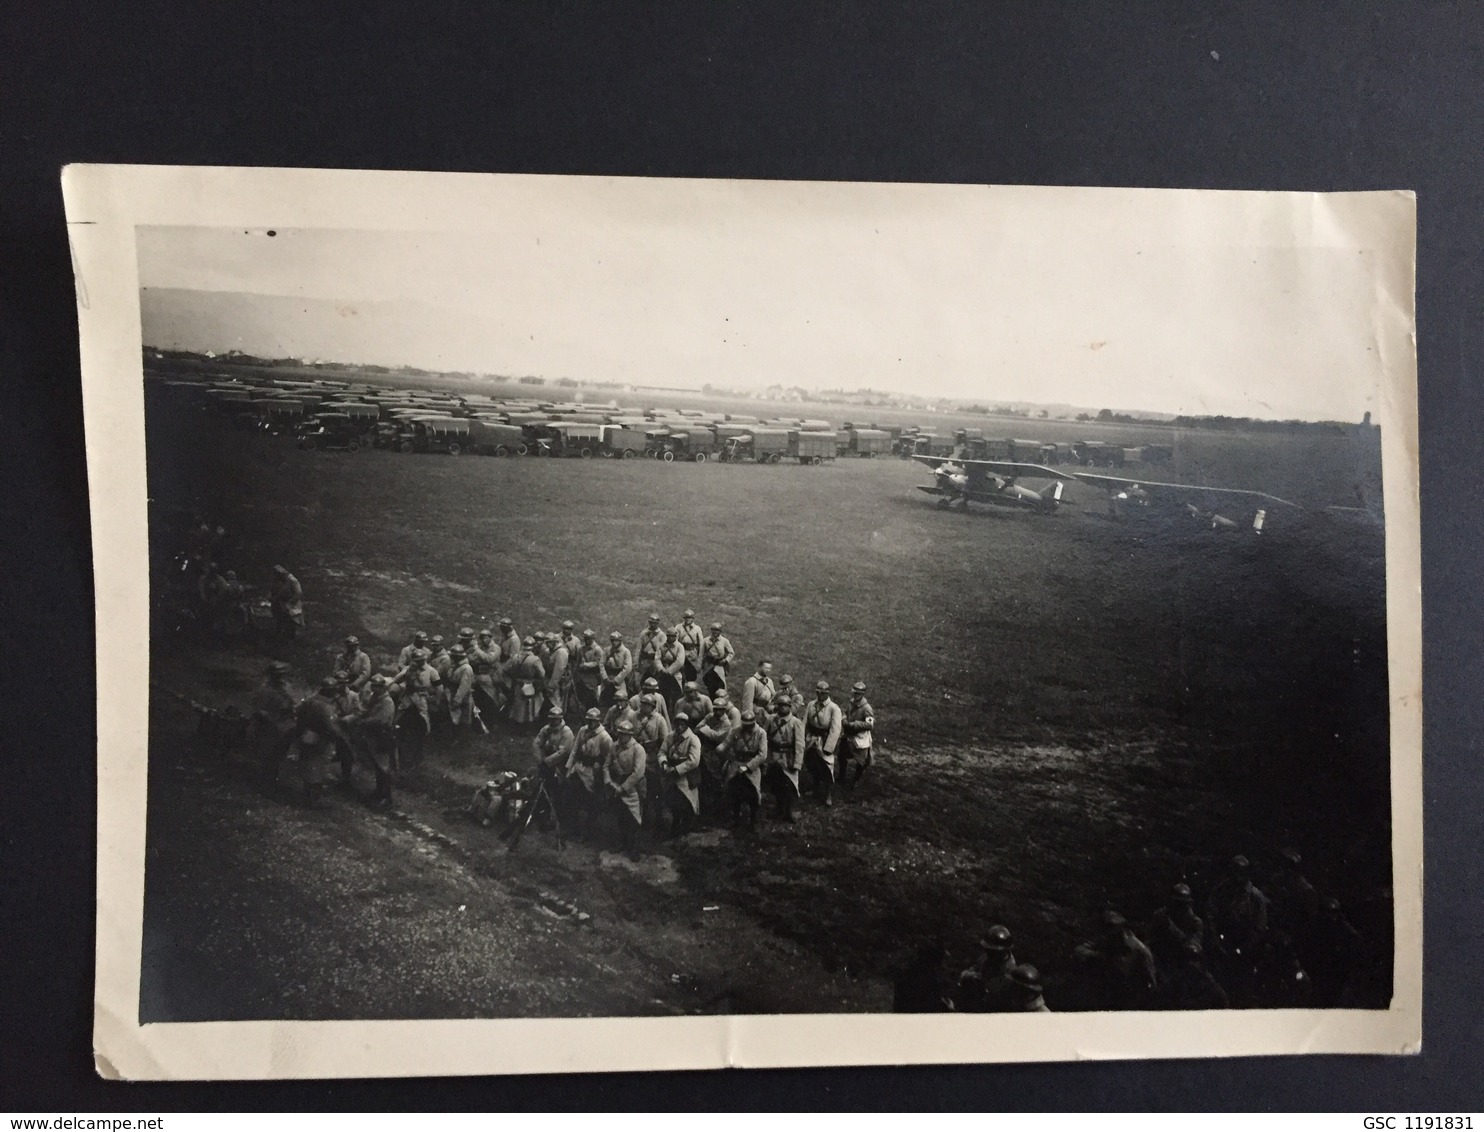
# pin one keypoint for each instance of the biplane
(997, 482)
(1208, 506)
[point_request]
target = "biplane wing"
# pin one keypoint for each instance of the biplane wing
(1201, 503)
(1000, 469)
(1181, 492)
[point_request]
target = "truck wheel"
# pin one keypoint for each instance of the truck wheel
(405, 446)
(454, 449)
(353, 446)
(521, 450)
(699, 457)
(818, 460)
(586, 453)
(668, 457)
(306, 443)
(628, 453)
(501, 450)
(775, 458)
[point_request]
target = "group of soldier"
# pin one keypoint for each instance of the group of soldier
(1280, 946)
(659, 739)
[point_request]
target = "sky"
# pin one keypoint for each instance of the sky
(940, 294)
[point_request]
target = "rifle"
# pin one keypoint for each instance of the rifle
(477, 716)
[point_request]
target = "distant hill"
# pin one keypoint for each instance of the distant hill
(277, 326)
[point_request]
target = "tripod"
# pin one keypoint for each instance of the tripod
(541, 803)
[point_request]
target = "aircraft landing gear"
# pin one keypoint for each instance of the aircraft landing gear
(944, 504)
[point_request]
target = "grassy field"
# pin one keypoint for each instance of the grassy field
(1072, 712)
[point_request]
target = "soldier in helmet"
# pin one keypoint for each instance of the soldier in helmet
(317, 730)
(623, 781)
(694, 702)
(528, 684)
(559, 673)
(414, 687)
(823, 725)
(647, 659)
(858, 724)
(461, 702)
(785, 757)
(788, 690)
(650, 732)
(713, 729)
(591, 747)
(419, 641)
(981, 986)
(650, 687)
(375, 734)
(1117, 969)
(618, 663)
(680, 766)
(588, 672)
(1023, 991)
(1173, 926)
(271, 724)
(353, 665)
(745, 750)
(670, 670)
(690, 637)
(484, 659)
(553, 749)
(717, 655)
(288, 602)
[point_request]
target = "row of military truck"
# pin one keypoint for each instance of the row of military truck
(339, 416)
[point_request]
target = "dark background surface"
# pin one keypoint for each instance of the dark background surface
(1320, 97)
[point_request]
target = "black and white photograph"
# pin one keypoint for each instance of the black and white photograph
(591, 599)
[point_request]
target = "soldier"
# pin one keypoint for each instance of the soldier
(509, 641)
(490, 692)
(650, 732)
(787, 690)
(671, 671)
(347, 707)
(785, 757)
(623, 780)
(650, 687)
(287, 598)
(758, 690)
(695, 703)
(414, 686)
(442, 664)
(316, 732)
(621, 709)
(745, 750)
(553, 746)
(680, 763)
(981, 987)
(1117, 969)
(460, 689)
(272, 721)
(591, 747)
(589, 674)
(419, 641)
(558, 674)
(689, 636)
(822, 729)
(647, 660)
(716, 657)
(618, 662)
(858, 724)
(1173, 926)
(713, 730)
(1237, 923)
(1023, 991)
(528, 685)
(375, 734)
(570, 638)
(353, 665)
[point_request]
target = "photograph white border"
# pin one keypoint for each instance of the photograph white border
(104, 205)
